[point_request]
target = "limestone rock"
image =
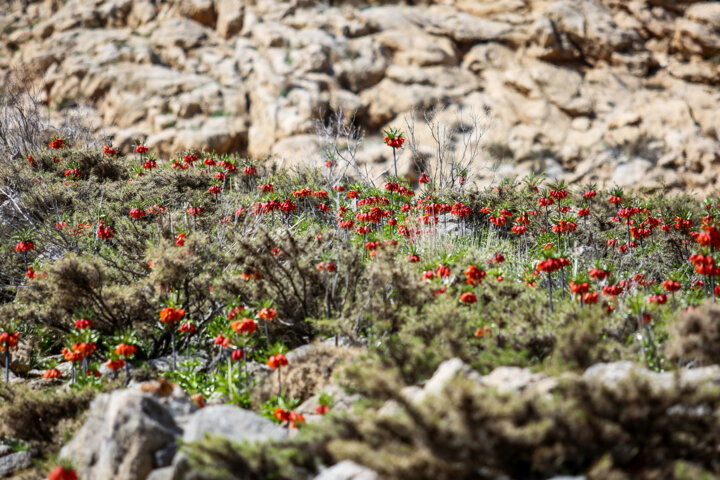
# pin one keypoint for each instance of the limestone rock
(347, 470)
(122, 433)
(14, 462)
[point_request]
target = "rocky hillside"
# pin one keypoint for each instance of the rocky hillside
(615, 91)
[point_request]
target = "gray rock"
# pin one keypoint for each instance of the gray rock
(14, 462)
(227, 421)
(121, 435)
(232, 422)
(347, 470)
(5, 450)
(632, 173)
(167, 473)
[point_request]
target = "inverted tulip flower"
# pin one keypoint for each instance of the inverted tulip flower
(8, 340)
(394, 138)
(276, 362)
(171, 316)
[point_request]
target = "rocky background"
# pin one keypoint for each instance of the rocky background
(607, 91)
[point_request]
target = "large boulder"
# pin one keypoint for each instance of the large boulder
(123, 435)
(225, 421)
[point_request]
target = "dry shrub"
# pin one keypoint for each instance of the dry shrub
(590, 338)
(309, 371)
(298, 288)
(75, 284)
(633, 428)
(36, 416)
(695, 336)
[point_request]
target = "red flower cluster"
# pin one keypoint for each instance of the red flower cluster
(277, 361)
(137, 213)
(83, 323)
(704, 264)
(187, 328)
(552, 264)
(57, 144)
(115, 364)
(125, 350)
(671, 286)
(171, 315)
(293, 418)
(599, 275)
(564, 227)
(105, 231)
(246, 325)
(62, 473)
(108, 151)
(51, 373)
(327, 266)
(468, 297)
(9, 340)
(24, 246)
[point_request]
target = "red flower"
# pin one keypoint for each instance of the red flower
(591, 298)
(295, 419)
(589, 194)
(238, 354)
(250, 170)
(267, 314)
(659, 299)
(322, 409)
(115, 364)
(442, 271)
(171, 315)
(468, 297)
(83, 323)
(412, 258)
(474, 275)
(579, 288)
(51, 373)
(9, 340)
(108, 150)
(281, 414)
(62, 473)
(220, 340)
(199, 400)
(187, 327)
(671, 285)
(266, 187)
(246, 325)
(57, 144)
(424, 178)
(137, 213)
(481, 332)
(24, 246)
(393, 138)
(598, 274)
(277, 361)
(125, 350)
(105, 231)
(141, 149)
(180, 240)
(30, 273)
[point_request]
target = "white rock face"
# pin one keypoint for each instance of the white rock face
(591, 83)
